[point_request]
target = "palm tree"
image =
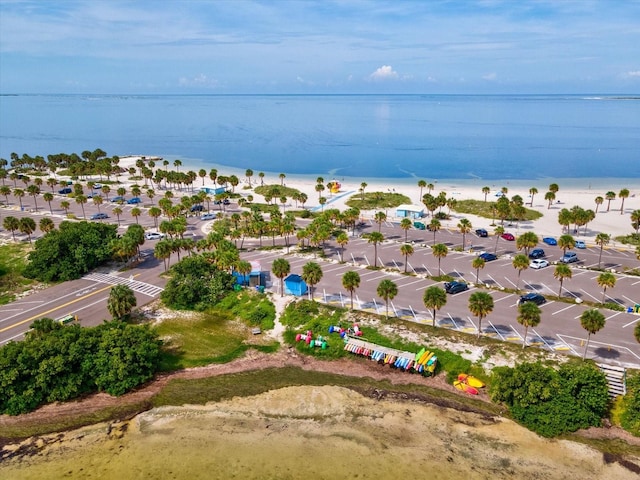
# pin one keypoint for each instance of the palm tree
(532, 192)
(526, 241)
(498, 232)
(136, 212)
(434, 298)
(351, 281)
(162, 251)
(380, 218)
(550, 197)
(592, 321)
(27, 226)
(609, 196)
(406, 249)
(282, 176)
(602, 239)
(97, 201)
(375, 238)
(599, 201)
(121, 302)
(481, 305)
(106, 189)
(434, 226)
(177, 164)
(606, 280)
(281, 268)
(117, 211)
(478, 263)
(48, 197)
(520, 263)
(635, 220)
(561, 272)
(529, 315)
(18, 192)
(342, 239)
(81, 199)
(311, 274)
(440, 251)
(405, 224)
(261, 176)
(465, 227)
(565, 217)
(64, 204)
(566, 242)
(624, 193)
(421, 184)
(12, 224)
(387, 290)
(363, 185)
(5, 190)
(486, 191)
(46, 225)
(248, 173)
(34, 191)
(554, 188)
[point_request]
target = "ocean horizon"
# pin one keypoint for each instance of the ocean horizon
(585, 139)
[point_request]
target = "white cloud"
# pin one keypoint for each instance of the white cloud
(635, 73)
(385, 72)
(200, 80)
(490, 76)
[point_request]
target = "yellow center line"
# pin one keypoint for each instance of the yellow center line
(40, 315)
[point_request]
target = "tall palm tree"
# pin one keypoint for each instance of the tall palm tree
(351, 281)
(162, 251)
(520, 262)
(282, 176)
(405, 224)
(465, 227)
(609, 196)
(554, 188)
(281, 268)
(248, 173)
(380, 218)
(387, 290)
(566, 242)
(375, 238)
(34, 191)
(624, 193)
(478, 263)
(421, 185)
(81, 199)
(363, 185)
(121, 301)
(46, 225)
(549, 197)
(117, 212)
(561, 273)
(311, 274)
(498, 232)
(592, 321)
(635, 220)
(27, 226)
(481, 305)
(135, 213)
(64, 204)
(342, 239)
(18, 192)
(532, 192)
(606, 280)
(526, 241)
(602, 239)
(486, 190)
(529, 315)
(434, 226)
(434, 298)
(406, 249)
(440, 251)
(48, 197)
(106, 189)
(599, 201)
(243, 268)
(12, 224)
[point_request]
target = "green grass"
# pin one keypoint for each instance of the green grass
(276, 191)
(13, 260)
(484, 209)
(377, 200)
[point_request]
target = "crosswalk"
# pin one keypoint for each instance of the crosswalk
(135, 285)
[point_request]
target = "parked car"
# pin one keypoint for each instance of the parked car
(64, 191)
(153, 235)
(569, 257)
(208, 216)
(532, 297)
(134, 201)
(580, 244)
(455, 287)
(225, 201)
(539, 263)
(117, 199)
(537, 253)
(98, 216)
(419, 225)
(508, 236)
(550, 241)
(197, 208)
(487, 257)
(481, 232)
(97, 185)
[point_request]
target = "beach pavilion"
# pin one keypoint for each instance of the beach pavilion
(295, 285)
(410, 211)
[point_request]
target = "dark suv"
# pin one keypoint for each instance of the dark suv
(455, 287)
(197, 208)
(536, 253)
(532, 297)
(481, 232)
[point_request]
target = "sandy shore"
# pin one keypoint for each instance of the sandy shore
(572, 192)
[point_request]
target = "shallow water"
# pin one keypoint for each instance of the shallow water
(310, 432)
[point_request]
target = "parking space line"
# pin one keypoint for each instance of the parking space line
(631, 323)
(590, 295)
(496, 330)
(563, 309)
(632, 301)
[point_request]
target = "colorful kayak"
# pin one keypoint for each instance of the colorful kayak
(471, 380)
(465, 388)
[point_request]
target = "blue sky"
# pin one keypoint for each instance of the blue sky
(328, 46)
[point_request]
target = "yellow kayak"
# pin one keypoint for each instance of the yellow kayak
(471, 380)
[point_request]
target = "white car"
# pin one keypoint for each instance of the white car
(208, 216)
(539, 263)
(153, 235)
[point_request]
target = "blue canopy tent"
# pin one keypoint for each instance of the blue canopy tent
(295, 285)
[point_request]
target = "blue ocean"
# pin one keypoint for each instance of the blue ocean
(429, 137)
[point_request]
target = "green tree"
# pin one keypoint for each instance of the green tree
(351, 281)
(406, 249)
(561, 273)
(526, 241)
(380, 218)
(602, 240)
(532, 191)
(529, 315)
(434, 226)
(520, 262)
(281, 268)
(486, 191)
(610, 196)
(81, 200)
(592, 321)
(34, 191)
(549, 197)
(12, 224)
(387, 290)
(480, 305)
(311, 274)
(121, 302)
(606, 280)
(434, 298)
(622, 195)
(46, 224)
(27, 226)
(342, 239)
(599, 201)
(439, 251)
(405, 224)
(497, 232)
(465, 227)
(635, 220)
(375, 238)
(478, 263)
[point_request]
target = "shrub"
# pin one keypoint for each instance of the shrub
(630, 416)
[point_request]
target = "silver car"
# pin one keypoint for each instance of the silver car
(539, 263)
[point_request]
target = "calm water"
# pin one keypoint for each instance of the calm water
(384, 136)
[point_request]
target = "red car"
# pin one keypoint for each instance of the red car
(508, 236)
